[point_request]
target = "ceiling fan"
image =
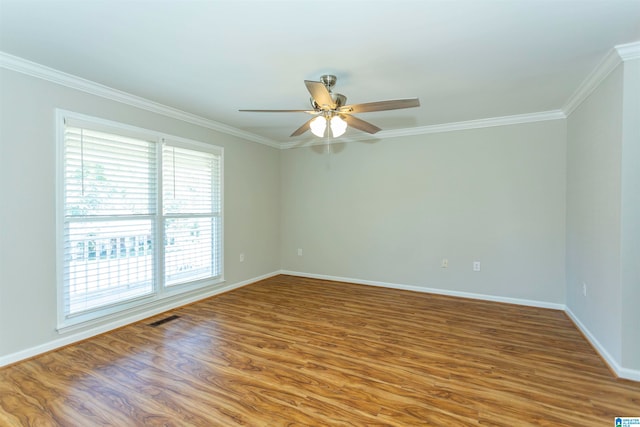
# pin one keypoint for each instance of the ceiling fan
(329, 110)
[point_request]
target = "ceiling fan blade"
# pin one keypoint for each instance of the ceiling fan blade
(302, 129)
(395, 104)
(320, 94)
(279, 111)
(360, 124)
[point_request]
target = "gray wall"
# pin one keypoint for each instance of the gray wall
(594, 132)
(603, 214)
(389, 211)
(630, 217)
(28, 210)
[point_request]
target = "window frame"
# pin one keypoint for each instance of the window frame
(161, 292)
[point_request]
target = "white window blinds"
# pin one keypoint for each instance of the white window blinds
(109, 211)
(191, 207)
(126, 238)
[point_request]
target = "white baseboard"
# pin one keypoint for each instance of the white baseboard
(626, 373)
(621, 372)
(630, 374)
(518, 301)
(73, 337)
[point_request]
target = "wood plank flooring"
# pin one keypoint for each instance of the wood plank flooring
(289, 351)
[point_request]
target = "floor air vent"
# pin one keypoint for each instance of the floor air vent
(165, 320)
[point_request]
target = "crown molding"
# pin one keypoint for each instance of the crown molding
(620, 53)
(593, 80)
(629, 51)
(33, 69)
(477, 124)
(445, 127)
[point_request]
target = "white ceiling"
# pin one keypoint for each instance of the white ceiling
(465, 60)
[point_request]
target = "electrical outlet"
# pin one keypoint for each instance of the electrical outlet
(445, 263)
(476, 265)
(584, 289)
(241, 257)
(299, 251)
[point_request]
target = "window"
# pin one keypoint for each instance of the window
(140, 215)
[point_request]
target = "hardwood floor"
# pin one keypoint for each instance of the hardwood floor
(302, 352)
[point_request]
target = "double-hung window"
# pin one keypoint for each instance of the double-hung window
(140, 217)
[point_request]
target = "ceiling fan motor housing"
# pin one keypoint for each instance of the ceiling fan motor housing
(329, 81)
(338, 99)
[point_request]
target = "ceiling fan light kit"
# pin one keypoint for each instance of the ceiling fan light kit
(330, 110)
(338, 126)
(318, 125)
